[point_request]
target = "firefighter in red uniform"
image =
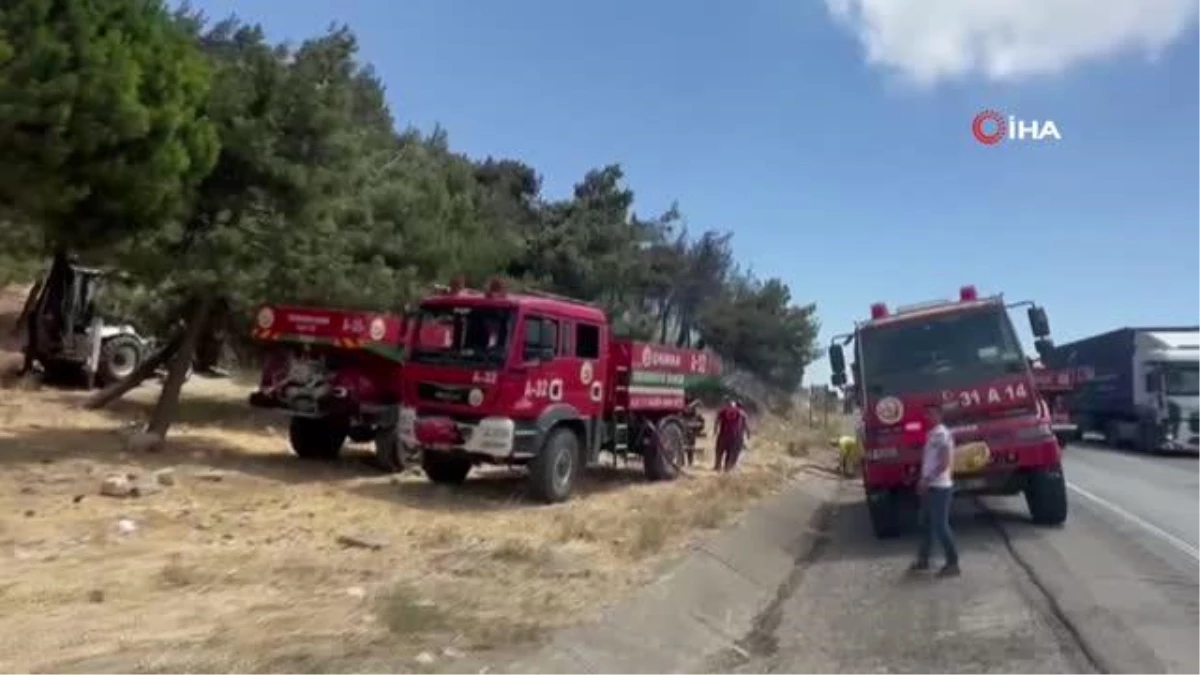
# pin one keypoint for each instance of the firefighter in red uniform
(732, 428)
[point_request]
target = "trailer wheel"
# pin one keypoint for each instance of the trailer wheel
(389, 451)
(553, 472)
(884, 508)
(318, 437)
(662, 460)
(1046, 495)
(1112, 435)
(120, 355)
(445, 469)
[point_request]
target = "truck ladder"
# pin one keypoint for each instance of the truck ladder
(620, 446)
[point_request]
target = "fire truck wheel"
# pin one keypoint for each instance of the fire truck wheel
(389, 451)
(884, 508)
(445, 469)
(318, 437)
(663, 459)
(1046, 495)
(552, 473)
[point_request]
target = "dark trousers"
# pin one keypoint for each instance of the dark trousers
(935, 524)
(728, 451)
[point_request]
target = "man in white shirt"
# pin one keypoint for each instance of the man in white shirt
(936, 488)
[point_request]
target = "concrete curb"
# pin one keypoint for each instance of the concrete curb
(704, 604)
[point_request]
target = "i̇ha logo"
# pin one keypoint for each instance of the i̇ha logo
(990, 127)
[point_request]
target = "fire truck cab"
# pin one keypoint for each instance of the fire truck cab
(963, 356)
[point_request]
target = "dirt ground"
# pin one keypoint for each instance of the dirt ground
(238, 557)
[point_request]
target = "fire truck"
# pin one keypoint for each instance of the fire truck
(336, 374)
(539, 380)
(963, 356)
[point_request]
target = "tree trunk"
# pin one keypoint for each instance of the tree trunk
(684, 315)
(118, 389)
(27, 308)
(664, 320)
(168, 398)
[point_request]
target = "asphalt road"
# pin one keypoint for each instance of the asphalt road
(1114, 590)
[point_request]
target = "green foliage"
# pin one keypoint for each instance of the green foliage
(297, 188)
(99, 124)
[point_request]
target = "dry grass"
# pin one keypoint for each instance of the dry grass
(246, 573)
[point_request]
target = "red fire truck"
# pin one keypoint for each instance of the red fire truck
(963, 355)
(337, 374)
(539, 380)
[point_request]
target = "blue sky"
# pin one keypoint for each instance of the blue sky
(840, 157)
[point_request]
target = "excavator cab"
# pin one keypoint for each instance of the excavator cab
(65, 333)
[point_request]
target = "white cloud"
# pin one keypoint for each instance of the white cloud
(929, 41)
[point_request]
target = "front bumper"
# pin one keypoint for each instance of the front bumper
(1006, 461)
(493, 438)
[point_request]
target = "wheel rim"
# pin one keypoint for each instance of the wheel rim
(123, 361)
(563, 465)
(672, 444)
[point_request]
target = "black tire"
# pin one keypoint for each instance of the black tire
(553, 472)
(884, 508)
(389, 451)
(120, 355)
(319, 438)
(364, 434)
(662, 460)
(1112, 435)
(445, 469)
(63, 373)
(1046, 495)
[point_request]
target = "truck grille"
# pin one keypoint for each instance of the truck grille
(443, 393)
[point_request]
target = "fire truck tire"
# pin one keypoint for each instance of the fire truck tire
(662, 462)
(389, 451)
(445, 469)
(1046, 495)
(884, 508)
(318, 438)
(553, 472)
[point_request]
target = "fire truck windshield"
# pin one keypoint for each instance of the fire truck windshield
(941, 351)
(475, 336)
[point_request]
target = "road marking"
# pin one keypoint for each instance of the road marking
(1152, 529)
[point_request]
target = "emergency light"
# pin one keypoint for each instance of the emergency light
(967, 294)
(495, 286)
(457, 284)
(879, 310)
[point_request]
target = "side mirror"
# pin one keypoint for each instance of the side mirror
(838, 379)
(1038, 323)
(1044, 347)
(837, 360)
